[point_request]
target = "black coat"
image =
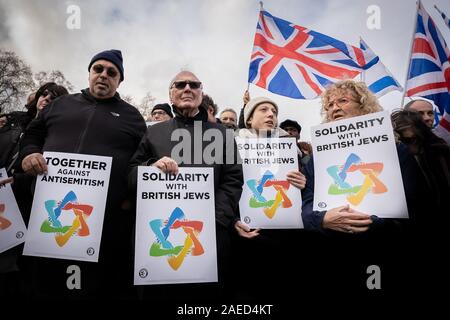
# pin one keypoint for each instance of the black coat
(78, 123)
(228, 178)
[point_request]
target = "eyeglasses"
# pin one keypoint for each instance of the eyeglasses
(339, 102)
(111, 72)
(180, 85)
(46, 93)
(408, 140)
(159, 113)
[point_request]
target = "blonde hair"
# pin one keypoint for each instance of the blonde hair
(368, 102)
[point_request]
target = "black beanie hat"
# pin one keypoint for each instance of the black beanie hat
(164, 106)
(291, 123)
(114, 56)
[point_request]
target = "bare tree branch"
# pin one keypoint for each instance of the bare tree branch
(15, 81)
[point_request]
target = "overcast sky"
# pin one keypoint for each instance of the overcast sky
(211, 38)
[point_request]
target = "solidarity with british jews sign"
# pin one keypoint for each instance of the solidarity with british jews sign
(268, 199)
(12, 227)
(356, 163)
(68, 207)
(175, 227)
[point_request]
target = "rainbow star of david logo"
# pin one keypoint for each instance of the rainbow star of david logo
(356, 193)
(54, 225)
(163, 247)
(4, 223)
(259, 201)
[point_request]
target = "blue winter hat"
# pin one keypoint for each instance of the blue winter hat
(114, 56)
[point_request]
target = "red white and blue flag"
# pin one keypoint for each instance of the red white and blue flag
(297, 62)
(429, 69)
(378, 78)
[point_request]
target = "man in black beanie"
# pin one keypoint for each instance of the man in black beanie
(162, 112)
(292, 127)
(114, 56)
(94, 122)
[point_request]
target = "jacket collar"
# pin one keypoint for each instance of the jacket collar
(202, 115)
(87, 94)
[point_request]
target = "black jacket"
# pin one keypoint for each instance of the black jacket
(228, 178)
(78, 123)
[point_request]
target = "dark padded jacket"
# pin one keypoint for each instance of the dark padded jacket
(228, 178)
(78, 123)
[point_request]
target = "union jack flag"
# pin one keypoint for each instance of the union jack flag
(300, 63)
(429, 69)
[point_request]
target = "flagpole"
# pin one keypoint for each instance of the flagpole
(410, 52)
(363, 75)
(261, 8)
(438, 9)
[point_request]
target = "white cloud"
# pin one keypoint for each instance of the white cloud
(211, 38)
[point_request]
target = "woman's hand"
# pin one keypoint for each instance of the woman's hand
(244, 231)
(297, 179)
(346, 219)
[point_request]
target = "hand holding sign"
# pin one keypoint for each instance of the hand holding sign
(34, 164)
(166, 165)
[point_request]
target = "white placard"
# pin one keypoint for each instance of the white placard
(268, 200)
(12, 227)
(175, 227)
(356, 163)
(68, 207)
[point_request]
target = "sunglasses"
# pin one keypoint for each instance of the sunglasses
(408, 140)
(180, 85)
(111, 72)
(46, 93)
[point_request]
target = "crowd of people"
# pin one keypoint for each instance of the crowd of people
(331, 253)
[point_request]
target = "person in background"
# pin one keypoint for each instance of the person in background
(18, 121)
(424, 108)
(212, 109)
(161, 112)
(294, 129)
(431, 153)
(228, 117)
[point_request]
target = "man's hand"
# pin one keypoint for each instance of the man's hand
(166, 165)
(34, 164)
(346, 219)
(244, 231)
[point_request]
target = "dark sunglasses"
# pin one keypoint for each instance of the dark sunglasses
(111, 72)
(409, 140)
(180, 85)
(46, 93)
